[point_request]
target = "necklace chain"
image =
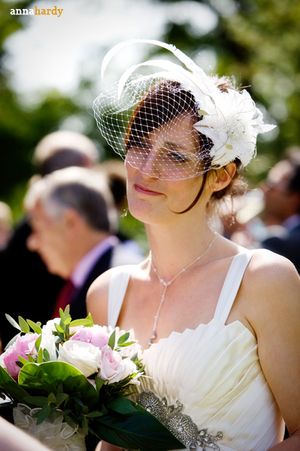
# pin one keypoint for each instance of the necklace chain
(166, 283)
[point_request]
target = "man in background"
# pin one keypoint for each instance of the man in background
(73, 217)
(32, 296)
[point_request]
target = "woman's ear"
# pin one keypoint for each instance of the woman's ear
(223, 177)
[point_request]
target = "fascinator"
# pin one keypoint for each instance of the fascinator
(176, 122)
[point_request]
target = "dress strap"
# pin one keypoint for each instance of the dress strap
(231, 285)
(116, 292)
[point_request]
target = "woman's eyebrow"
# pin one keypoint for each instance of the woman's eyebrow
(175, 146)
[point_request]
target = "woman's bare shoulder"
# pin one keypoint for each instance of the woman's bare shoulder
(267, 265)
(97, 296)
(272, 281)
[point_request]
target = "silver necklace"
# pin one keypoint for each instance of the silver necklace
(166, 283)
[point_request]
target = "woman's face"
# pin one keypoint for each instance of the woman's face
(161, 171)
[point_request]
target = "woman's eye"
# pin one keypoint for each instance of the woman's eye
(177, 157)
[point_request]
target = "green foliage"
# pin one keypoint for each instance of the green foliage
(257, 40)
(57, 385)
(259, 43)
(56, 388)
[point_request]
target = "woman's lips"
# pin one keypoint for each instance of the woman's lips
(142, 189)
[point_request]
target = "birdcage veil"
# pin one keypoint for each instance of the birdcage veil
(175, 122)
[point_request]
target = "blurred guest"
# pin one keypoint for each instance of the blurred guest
(62, 149)
(282, 208)
(72, 217)
(5, 224)
(239, 220)
(33, 295)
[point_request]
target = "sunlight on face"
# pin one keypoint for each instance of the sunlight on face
(156, 187)
(169, 152)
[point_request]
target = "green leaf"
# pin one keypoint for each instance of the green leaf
(23, 325)
(67, 310)
(46, 355)
(38, 343)
(61, 398)
(36, 401)
(40, 356)
(99, 383)
(59, 328)
(95, 414)
(12, 321)
(136, 430)
(35, 326)
(52, 398)
(112, 340)
(43, 414)
(123, 338)
(87, 322)
(22, 360)
(123, 406)
(128, 343)
(57, 376)
(10, 387)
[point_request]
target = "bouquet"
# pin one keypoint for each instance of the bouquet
(67, 380)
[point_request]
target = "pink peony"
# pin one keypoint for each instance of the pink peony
(96, 335)
(113, 368)
(23, 346)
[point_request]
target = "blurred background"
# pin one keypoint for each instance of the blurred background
(50, 69)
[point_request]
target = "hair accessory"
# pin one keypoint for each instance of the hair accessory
(141, 115)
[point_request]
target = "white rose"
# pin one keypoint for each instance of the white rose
(48, 339)
(84, 356)
(113, 368)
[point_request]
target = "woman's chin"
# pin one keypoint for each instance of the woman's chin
(143, 212)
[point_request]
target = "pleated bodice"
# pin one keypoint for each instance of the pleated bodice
(213, 371)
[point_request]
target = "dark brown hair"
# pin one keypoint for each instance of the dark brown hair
(166, 101)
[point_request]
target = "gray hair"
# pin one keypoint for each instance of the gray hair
(80, 189)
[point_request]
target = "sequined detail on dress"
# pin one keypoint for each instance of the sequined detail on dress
(181, 425)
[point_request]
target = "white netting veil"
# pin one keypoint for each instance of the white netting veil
(177, 122)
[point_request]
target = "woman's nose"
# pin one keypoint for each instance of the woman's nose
(150, 165)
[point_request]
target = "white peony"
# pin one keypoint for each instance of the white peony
(84, 356)
(48, 339)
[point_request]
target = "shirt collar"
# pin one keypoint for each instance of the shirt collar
(84, 266)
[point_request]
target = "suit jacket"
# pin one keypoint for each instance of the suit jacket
(287, 244)
(27, 287)
(78, 300)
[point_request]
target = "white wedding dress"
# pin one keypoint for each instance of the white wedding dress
(213, 371)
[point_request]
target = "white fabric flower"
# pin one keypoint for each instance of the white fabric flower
(84, 356)
(232, 122)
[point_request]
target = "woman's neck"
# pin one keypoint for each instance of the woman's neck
(173, 248)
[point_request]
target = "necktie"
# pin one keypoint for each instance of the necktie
(64, 297)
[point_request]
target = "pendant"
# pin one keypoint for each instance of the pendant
(152, 338)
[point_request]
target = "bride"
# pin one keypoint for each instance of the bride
(219, 324)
